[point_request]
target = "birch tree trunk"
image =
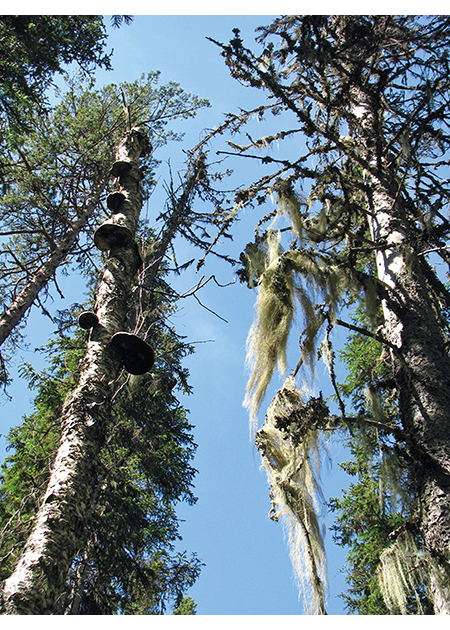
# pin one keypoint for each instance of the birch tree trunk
(40, 576)
(423, 373)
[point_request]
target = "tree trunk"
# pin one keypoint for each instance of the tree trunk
(423, 380)
(14, 313)
(40, 576)
(423, 373)
(424, 387)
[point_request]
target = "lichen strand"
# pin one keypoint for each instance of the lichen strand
(288, 277)
(289, 443)
(403, 569)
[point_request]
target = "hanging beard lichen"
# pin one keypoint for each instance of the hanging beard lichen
(289, 439)
(403, 569)
(289, 446)
(267, 339)
(287, 277)
(289, 204)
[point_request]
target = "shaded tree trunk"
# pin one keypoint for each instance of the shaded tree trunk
(423, 380)
(422, 366)
(425, 410)
(40, 576)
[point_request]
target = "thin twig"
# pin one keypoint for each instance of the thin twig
(368, 333)
(331, 366)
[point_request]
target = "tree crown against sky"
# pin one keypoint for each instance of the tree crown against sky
(358, 210)
(36, 47)
(56, 185)
(328, 239)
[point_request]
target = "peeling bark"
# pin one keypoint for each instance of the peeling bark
(40, 576)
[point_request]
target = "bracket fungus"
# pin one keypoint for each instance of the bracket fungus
(120, 167)
(112, 233)
(115, 200)
(136, 355)
(87, 320)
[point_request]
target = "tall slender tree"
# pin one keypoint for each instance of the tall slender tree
(57, 186)
(125, 561)
(361, 205)
(119, 315)
(41, 572)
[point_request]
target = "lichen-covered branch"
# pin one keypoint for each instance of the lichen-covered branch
(289, 445)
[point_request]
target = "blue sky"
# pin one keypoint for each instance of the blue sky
(247, 568)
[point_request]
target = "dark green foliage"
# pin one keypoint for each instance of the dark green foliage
(362, 527)
(367, 524)
(26, 471)
(126, 562)
(368, 363)
(35, 47)
(187, 607)
(379, 503)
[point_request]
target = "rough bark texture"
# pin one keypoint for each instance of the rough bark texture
(423, 372)
(425, 410)
(40, 575)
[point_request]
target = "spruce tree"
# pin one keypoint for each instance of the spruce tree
(122, 335)
(53, 542)
(125, 561)
(360, 206)
(33, 48)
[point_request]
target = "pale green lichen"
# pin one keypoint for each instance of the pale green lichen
(293, 470)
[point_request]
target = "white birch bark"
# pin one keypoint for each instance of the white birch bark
(389, 261)
(40, 576)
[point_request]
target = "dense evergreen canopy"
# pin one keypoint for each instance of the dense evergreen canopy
(35, 47)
